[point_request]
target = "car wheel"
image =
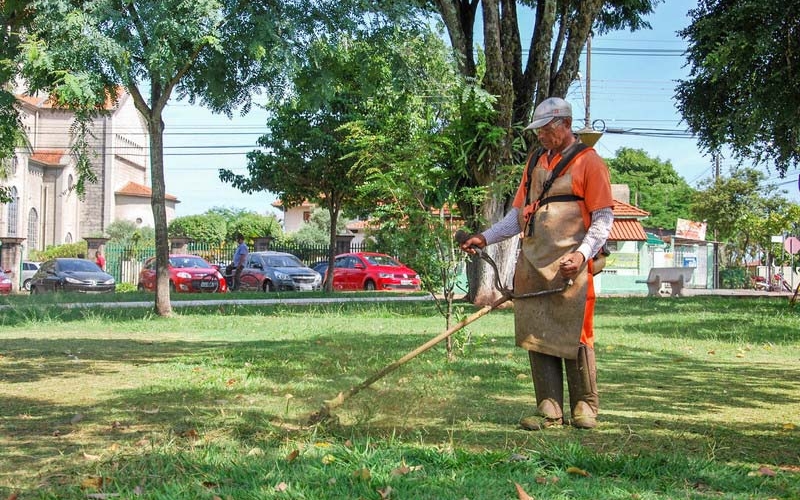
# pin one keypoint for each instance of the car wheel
(268, 286)
(27, 284)
(369, 285)
(34, 291)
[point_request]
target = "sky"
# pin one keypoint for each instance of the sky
(631, 88)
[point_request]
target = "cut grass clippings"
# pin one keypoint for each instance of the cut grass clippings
(700, 398)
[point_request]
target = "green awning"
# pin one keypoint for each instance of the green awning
(652, 239)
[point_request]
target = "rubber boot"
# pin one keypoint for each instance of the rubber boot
(548, 382)
(582, 384)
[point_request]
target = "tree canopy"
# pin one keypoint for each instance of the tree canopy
(364, 81)
(654, 184)
(744, 59)
(745, 212)
(217, 52)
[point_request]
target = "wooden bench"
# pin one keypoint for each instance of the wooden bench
(676, 277)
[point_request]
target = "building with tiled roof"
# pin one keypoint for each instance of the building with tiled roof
(45, 210)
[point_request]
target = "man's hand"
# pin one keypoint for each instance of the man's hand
(570, 264)
(475, 240)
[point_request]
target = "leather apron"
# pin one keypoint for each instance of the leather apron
(550, 324)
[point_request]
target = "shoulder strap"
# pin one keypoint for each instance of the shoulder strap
(559, 168)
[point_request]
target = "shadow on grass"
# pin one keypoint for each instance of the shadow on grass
(651, 402)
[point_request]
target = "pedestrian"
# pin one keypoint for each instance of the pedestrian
(563, 210)
(100, 260)
(239, 260)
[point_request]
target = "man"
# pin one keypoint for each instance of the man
(564, 219)
(239, 260)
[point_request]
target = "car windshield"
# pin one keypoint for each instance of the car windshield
(382, 260)
(78, 266)
(283, 261)
(186, 262)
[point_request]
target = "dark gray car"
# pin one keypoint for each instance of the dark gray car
(276, 271)
(71, 275)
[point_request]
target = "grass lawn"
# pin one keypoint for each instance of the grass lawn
(699, 396)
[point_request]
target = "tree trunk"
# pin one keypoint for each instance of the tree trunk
(163, 306)
(548, 71)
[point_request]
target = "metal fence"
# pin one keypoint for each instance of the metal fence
(124, 262)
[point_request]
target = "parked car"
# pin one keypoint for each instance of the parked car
(71, 275)
(187, 274)
(276, 271)
(372, 271)
(5, 282)
(28, 270)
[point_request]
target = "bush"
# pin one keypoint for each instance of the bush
(78, 249)
(125, 287)
(734, 278)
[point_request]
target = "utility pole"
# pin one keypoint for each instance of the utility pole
(716, 244)
(587, 122)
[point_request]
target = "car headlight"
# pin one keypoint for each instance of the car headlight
(385, 275)
(5, 280)
(318, 279)
(282, 276)
(184, 275)
(69, 279)
(109, 281)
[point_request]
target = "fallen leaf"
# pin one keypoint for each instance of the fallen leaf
(91, 457)
(541, 480)
(95, 482)
(766, 471)
(332, 481)
(114, 447)
(281, 487)
(712, 352)
(385, 493)
(291, 456)
(13, 496)
(577, 471)
(190, 434)
(328, 459)
(476, 378)
(363, 474)
(516, 457)
(788, 426)
(255, 452)
(522, 494)
(230, 382)
(151, 412)
(522, 376)
(348, 444)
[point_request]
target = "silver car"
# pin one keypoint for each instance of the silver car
(278, 271)
(28, 270)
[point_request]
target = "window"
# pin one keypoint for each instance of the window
(33, 229)
(13, 212)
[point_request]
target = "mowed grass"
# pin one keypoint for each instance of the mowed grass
(700, 398)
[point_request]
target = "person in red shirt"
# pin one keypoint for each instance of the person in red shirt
(563, 209)
(100, 260)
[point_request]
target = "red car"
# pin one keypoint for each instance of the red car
(5, 282)
(372, 271)
(187, 274)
